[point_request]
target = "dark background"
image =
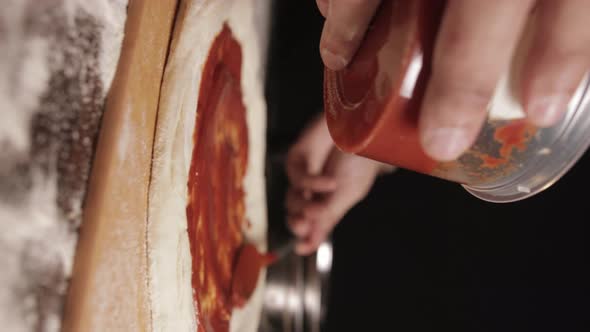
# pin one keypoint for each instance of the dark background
(421, 254)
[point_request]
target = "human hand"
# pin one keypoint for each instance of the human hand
(313, 214)
(306, 158)
(474, 46)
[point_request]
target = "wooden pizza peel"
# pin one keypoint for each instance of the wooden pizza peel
(109, 286)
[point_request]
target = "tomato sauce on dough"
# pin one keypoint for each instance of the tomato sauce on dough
(216, 210)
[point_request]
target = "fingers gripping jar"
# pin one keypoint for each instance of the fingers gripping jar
(372, 109)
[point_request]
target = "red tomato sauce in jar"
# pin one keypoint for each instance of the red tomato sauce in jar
(366, 111)
(372, 106)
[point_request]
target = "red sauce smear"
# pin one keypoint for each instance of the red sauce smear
(248, 265)
(216, 209)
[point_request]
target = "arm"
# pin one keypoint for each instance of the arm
(325, 183)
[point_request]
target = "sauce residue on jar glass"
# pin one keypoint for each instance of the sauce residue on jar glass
(495, 155)
(216, 208)
(512, 137)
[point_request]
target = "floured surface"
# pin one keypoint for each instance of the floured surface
(108, 291)
(169, 256)
(58, 60)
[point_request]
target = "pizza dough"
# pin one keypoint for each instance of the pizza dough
(169, 258)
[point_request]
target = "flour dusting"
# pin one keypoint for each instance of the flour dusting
(58, 60)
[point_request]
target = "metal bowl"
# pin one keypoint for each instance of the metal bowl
(296, 293)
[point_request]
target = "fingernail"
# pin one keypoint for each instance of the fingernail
(547, 110)
(445, 144)
(332, 60)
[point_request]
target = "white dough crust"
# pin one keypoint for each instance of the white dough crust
(169, 258)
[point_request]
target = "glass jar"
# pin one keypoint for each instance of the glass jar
(372, 110)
